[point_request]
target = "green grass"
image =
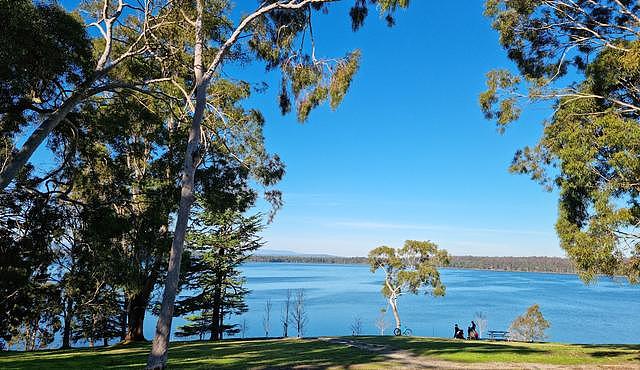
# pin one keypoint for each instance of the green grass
(228, 354)
(277, 353)
(514, 352)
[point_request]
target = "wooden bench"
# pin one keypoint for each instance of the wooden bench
(498, 335)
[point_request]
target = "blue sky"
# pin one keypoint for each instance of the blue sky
(408, 155)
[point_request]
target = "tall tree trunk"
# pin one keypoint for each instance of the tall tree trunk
(66, 333)
(217, 301)
(105, 333)
(135, 318)
(123, 317)
(221, 323)
(137, 307)
(394, 309)
(215, 316)
(158, 356)
(215, 319)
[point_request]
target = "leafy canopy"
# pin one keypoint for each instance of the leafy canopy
(584, 57)
(410, 268)
(530, 326)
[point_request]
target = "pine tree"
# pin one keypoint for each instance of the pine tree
(221, 243)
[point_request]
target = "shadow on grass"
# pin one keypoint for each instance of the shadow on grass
(228, 354)
(489, 351)
(612, 350)
(269, 354)
(435, 346)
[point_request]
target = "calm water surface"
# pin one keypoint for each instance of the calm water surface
(606, 312)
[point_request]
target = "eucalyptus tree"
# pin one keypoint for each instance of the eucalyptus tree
(209, 38)
(50, 65)
(583, 57)
(408, 270)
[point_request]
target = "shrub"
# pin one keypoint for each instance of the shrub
(530, 326)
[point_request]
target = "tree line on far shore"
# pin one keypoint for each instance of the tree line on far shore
(526, 264)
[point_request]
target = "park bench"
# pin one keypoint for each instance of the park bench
(498, 335)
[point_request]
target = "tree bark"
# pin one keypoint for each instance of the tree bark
(221, 323)
(137, 308)
(394, 309)
(217, 303)
(66, 334)
(158, 356)
(135, 318)
(35, 140)
(123, 317)
(105, 333)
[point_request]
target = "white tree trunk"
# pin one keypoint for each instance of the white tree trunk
(158, 356)
(394, 309)
(36, 138)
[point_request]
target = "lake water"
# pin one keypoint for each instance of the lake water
(607, 312)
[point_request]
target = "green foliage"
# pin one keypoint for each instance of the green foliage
(342, 77)
(530, 326)
(219, 242)
(30, 222)
(38, 328)
(529, 264)
(504, 111)
(220, 239)
(359, 11)
(548, 39)
(410, 268)
(590, 147)
(43, 47)
(590, 152)
(98, 319)
(282, 39)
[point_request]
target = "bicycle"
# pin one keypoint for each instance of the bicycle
(406, 332)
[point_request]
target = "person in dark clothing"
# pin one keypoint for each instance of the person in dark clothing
(472, 332)
(458, 333)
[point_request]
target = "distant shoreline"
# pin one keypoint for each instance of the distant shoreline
(550, 265)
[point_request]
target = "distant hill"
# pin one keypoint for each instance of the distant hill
(283, 252)
(525, 264)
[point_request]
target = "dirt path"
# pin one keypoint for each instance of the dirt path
(407, 360)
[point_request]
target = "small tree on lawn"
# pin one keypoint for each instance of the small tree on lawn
(482, 322)
(530, 326)
(356, 326)
(381, 321)
(408, 269)
(286, 315)
(266, 319)
(299, 314)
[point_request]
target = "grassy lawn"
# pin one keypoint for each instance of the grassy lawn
(541, 353)
(242, 354)
(228, 354)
